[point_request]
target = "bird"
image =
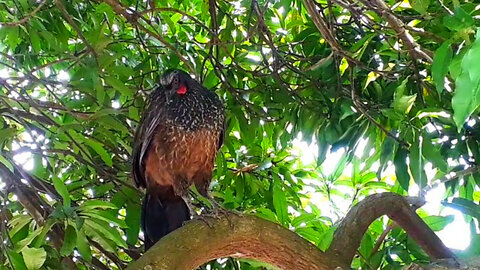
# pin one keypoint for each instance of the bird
(175, 146)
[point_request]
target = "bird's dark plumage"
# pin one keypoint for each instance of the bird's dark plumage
(175, 146)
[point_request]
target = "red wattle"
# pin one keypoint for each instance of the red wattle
(182, 90)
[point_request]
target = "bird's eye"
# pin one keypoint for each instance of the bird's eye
(175, 82)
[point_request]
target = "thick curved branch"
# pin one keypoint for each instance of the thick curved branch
(238, 236)
(351, 230)
(251, 237)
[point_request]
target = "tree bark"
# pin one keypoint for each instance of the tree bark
(349, 234)
(252, 237)
(234, 236)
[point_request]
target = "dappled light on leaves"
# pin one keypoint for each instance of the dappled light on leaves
(327, 103)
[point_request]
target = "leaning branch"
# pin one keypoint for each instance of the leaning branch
(251, 237)
(349, 234)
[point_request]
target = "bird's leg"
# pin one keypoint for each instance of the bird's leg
(194, 213)
(217, 210)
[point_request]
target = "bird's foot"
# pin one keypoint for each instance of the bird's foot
(217, 211)
(204, 219)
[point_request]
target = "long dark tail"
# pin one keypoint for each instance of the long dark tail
(160, 216)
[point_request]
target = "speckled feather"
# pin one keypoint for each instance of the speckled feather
(178, 139)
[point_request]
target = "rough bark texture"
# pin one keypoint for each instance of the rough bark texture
(350, 232)
(238, 236)
(251, 237)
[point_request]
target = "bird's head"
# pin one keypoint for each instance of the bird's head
(177, 82)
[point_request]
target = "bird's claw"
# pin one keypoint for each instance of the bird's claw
(217, 211)
(205, 219)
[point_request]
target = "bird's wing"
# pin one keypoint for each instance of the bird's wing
(153, 115)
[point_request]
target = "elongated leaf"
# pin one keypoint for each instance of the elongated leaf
(6, 163)
(467, 93)
(119, 85)
(132, 221)
(466, 206)
(69, 241)
(40, 240)
(417, 164)
(17, 260)
(441, 61)
(83, 246)
(401, 168)
(61, 189)
(438, 223)
(105, 216)
(105, 229)
(280, 202)
(18, 222)
(432, 153)
(97, 204)
(98, 147)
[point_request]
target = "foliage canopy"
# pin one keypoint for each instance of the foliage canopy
(382, 96)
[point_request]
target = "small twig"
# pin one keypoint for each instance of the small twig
(68, 18)
(27, 17)
(413, 48)
(133, 19)
(457, 175)
(382, 237)
(359, 107)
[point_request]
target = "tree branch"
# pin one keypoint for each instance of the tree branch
(247, 237)
(132, 17)
(255, 238)
(349, 234)
(27, 17)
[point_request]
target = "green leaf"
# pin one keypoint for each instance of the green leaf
(69, 241)
(417, 164)
(441, 62)
(326, 238)
(7, 163)
(97, 204)
(61, 189)
(17, 260)
(18, 222)
(83, 246)
(21, 245)
(40, 240)
(105, 216)
(403, 103)
(105, 229)
(98, 147)
(466, 98)
(420, 5)
(119, 86)
(34, 257)
(459, 20)
(132, 220)
(103, 112)
(438, 223)
(401, 169)
(431, 153)
(280, 201)
(465, 206)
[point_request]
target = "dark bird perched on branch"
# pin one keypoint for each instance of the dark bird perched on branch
(175, 146)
